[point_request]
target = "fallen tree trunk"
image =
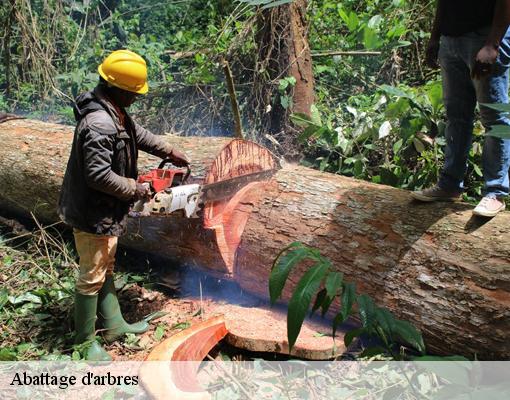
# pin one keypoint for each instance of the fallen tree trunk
(432, 264)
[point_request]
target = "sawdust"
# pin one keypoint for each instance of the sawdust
(253, 327)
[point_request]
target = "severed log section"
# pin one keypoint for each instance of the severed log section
(178, 380)
(432, 264)
(264, 330)
(225, 218)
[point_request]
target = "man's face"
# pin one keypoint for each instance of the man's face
(121, 97)
(129, 98)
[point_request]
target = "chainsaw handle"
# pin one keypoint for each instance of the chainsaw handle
(168, 161)
(186, 175)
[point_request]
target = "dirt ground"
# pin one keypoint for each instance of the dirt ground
(254, 328)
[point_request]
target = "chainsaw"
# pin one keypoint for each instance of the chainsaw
(170, 193)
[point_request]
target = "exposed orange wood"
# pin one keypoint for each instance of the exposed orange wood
(178, 380)
(230, 222)
(228, 217)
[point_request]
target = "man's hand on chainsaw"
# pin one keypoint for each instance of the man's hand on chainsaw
(178, 158)
(142, 192)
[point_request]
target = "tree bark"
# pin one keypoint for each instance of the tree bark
(432, 264)
(284, 52)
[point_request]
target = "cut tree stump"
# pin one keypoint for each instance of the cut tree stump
(264, 330)
(432, 264)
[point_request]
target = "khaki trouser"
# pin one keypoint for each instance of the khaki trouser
(97, 259)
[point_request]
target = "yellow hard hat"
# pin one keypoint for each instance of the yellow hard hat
(126, 70)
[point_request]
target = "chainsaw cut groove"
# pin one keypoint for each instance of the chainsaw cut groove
(228, 217)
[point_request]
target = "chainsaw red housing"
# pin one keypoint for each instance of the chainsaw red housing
(160, 179)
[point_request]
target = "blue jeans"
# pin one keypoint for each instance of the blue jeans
(461, 93)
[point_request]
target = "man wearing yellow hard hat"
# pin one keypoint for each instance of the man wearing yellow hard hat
(99, 188)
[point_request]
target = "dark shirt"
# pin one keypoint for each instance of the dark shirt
(462, 16)
(100, 178)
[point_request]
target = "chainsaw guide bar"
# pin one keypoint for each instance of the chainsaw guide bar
(227, 188)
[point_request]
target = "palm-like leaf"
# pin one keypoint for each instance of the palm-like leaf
(266, 3)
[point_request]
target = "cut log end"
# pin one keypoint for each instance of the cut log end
(228, 218)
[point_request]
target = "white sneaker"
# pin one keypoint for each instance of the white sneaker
(489, 206)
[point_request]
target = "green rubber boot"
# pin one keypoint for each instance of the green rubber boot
(109, 311)
(85, 309)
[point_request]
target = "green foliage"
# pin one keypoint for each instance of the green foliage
(284, 88)
(394, 137)
(300, 300)
(376, 321)
(500, 131)
(373, 115)
(38, 274)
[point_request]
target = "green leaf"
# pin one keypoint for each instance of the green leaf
(435, 94)
(302, 120)
(301, 298)
(497, 107)
(319, 300)
(396, 92)
(375, 21)
(276, 4)
(333, 287)
(386, 321)
(4, 297)
(500, 131)
(181, 325)
(351, 335)
(7, 260)
(7, 354)
(286, 101)
(292, 81)
(24, 298)
(286, 260)
(334, 283)
(154, 315)
(308, 133)
(370, 38)
(283, 84)
(388, 177)
(315, 114)
(159, 332)
(409, 334)
(120, 281)
(397, 146)
(358, 168)
(352, 21)
(348, 298)
(256, 2)
(418, 145)
(324, 163)
(366, 310)
(457, 373)
(477, 170)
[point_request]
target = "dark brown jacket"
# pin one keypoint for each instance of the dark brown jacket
(100, 179)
